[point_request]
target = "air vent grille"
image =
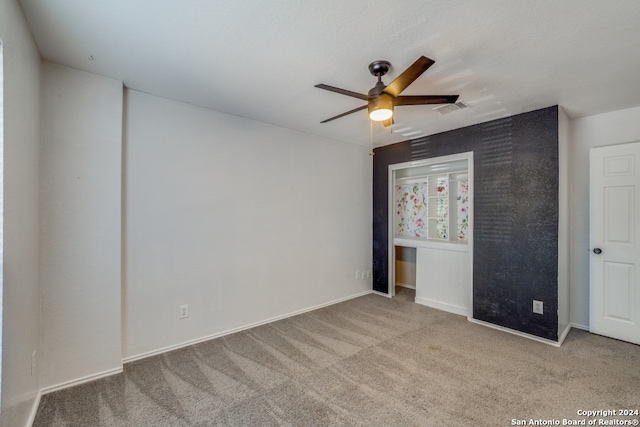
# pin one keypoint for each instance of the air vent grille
(448, 108)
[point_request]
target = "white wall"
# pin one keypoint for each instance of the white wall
(564, 149)
(241, 220)
(603, 129)
(80, 223)
(21, 305)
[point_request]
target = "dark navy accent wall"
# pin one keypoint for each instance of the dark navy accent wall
(515, 215)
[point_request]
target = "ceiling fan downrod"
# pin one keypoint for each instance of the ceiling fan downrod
(378, 69)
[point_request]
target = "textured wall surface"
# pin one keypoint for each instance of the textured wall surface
(515, 215)
(19, 291)
(80, 225)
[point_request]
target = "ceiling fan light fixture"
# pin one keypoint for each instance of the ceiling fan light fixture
(380, 115)
(381, 108)
(381, 99)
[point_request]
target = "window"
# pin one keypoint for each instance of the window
(434, 204)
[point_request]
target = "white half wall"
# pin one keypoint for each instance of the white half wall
(442, 278)
(241, 220)
(21, 300)
(80, 225)
(617, 127)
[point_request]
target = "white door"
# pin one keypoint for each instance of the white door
(614, 239)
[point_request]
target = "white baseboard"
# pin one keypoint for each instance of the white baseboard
(455, 309)
(563, 335)
(82, 380)
(238, 329)
(382, 294)
(78, 381)
(579, 326)
(405, 285)
(514, 332)
(34, 409)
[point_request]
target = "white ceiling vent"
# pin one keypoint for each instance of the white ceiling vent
(448, 108)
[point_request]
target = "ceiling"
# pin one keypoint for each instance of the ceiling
(260, 59)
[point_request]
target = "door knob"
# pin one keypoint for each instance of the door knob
(597, 251)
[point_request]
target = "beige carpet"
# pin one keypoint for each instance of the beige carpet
(370, 361)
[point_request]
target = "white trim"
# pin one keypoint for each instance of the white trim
(34, 409)
(382, 294)
(412, 242)
(78, 381)
(405, 285)
(514, 332)
(579, 326)
(240, 328)
(470, 233)
(391, 250)
(563, 335)
(455, 309)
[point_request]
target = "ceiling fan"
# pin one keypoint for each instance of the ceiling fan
(382, 98)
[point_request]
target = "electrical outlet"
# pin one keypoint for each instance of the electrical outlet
(33, 362)
(368, 274)
(184, 311)
(357, 274)
(538, 307)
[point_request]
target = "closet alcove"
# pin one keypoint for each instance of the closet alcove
(430, 227)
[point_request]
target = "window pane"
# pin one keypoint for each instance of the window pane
(463, 208)
(411, 210)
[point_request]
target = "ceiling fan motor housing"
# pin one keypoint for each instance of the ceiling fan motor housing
(380, 102)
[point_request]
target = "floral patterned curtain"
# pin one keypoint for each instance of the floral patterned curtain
(441, 201)
(411, 210)
(463, 208)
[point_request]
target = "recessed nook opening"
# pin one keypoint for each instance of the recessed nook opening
(431, 231)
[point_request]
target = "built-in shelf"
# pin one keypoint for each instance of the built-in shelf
(416, 242)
